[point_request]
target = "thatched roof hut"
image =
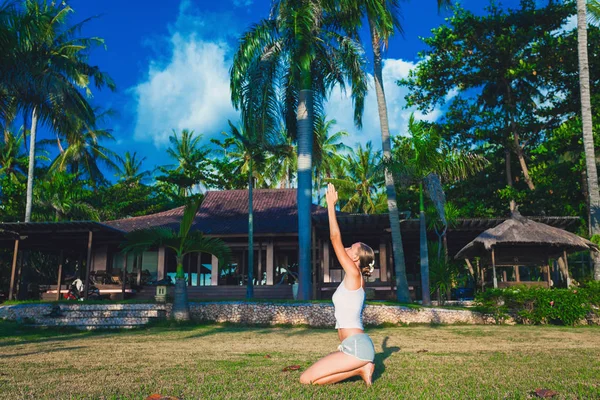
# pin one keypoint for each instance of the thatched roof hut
(521, 241)
(519, 236)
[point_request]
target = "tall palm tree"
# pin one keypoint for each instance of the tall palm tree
(300, 49)
(61, 196)
(327, 151)
(383, 18)
(130, 169)
(359, 187)
(586, 118)
(184, 241)
(48, 71)
(425, 159)
(13, 161)
(281, 167)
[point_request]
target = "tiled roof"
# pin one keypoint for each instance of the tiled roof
(226, 213)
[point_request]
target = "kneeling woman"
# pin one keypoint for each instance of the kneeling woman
(356, 353)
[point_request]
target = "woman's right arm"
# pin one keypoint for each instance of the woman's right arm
(352, 272)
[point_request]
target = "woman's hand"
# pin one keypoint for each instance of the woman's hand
(331, 196)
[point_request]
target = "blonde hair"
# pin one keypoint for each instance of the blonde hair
(366, 259)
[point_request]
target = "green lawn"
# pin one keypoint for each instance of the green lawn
(213, 361)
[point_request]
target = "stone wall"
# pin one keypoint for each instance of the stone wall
(317, 315)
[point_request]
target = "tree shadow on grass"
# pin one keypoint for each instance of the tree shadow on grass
(44, 351)
(13, 333)
(381, 357)
(215, 329)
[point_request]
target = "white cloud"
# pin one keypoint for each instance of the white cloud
(242, 3)
(339, 107)
(188, 88)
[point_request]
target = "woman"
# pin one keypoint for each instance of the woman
(356, 353)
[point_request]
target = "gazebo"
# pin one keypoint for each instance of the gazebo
(519, 241)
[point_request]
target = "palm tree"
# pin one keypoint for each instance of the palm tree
(47, 71)
(13, 161)
(359, 187)
(130, 169)
(383, 18)
(301, 50)
(182, 242)
(327, 151)
(586, 118)
(62, 196)
(425, 159)
(281, 167)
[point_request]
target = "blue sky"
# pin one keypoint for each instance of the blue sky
(170, 60)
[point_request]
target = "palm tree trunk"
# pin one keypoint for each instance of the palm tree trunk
(402, 293)
(31, 169)
(586, 117)
(250, 284)
(424, 251)
(181, 308)
(509, 181)
(304, 119)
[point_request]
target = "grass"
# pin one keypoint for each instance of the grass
(225, 361)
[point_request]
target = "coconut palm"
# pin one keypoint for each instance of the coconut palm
(46, 71)
(359, 186)
(13, 160)
(300, 50)
(281, 167)
(327, 151)
(130, 169)
(586, 119)
(62, 196)
(183, 242)
(425, 160)
(383, 18)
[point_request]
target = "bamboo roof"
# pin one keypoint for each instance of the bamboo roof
(518, 235)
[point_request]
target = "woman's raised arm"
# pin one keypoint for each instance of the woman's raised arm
(352, 272)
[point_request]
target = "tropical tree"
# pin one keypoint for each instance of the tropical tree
(360, 184)
(193, 164)
(62, 196)
(328, 151)
(300, 49)
(426, 160)
(586, 117)
(47, 70)
(13, 161)
(130, 169)
(183, 242)
(282, 166)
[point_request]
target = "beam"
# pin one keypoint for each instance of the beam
(383, 261)
(494, 268)
(13, 270)
(88, 265)
(326, 277)
(214, 273)
(198, 268)
(189, 268)
(161, 273)
(139, 268)
(260, 264)
(270, 258)
(124, 281)
(517, 273)
(60, 268)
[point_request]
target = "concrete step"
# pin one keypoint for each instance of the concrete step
(116, 321)
(90, 327)
(111, 313)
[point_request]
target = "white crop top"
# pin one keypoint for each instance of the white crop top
(348, 306)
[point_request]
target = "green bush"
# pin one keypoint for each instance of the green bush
(540, 305)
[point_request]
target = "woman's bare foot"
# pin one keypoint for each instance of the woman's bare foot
(366, 373)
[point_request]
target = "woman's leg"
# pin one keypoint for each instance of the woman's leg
(336, 367)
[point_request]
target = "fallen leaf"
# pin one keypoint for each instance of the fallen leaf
(545, 393)
(161, 397)
(422, 351)
(267, 356)
(291, 368)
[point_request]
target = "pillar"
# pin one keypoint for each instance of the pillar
(214, 273)
(270, 259)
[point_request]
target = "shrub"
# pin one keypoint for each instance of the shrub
(540, 305)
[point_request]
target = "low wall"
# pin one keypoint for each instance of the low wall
(317, 315)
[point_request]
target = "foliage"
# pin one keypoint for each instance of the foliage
(541, 305)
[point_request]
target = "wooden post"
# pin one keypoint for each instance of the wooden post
(494, 268)
(60, 268)
(382, 261)
(214, 273)
(260, 264)
(504, 276)
(548, 278)
(88, 265)
(13, 270)
(124, 281)
(270, 264)
(161, 272)
(139, 269)
(517, 273)
(199, 268)
(566, 269)
(189, 265)
(470, 267)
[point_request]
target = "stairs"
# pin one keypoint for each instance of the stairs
(99, 316)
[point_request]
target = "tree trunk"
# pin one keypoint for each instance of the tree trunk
(586, 118)
(304, 119)
(424, 252)
(181, 308)
(402, 293)
(516, 138)
(509, 181)
(250, 284)
(31, 169)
